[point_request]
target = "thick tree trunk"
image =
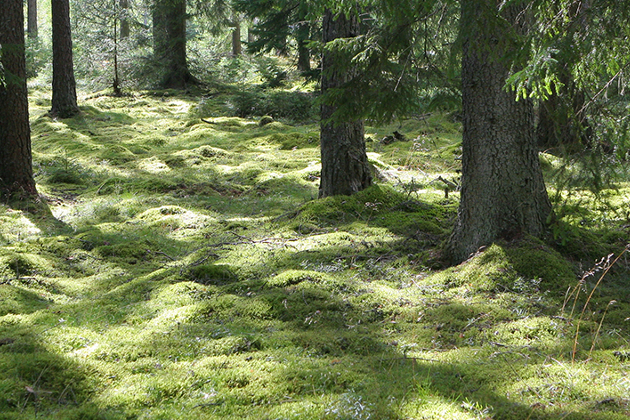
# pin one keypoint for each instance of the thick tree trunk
(345, 169)
(503, 193)
(32, 27)
(64, 95)
(16, 171)
(169, 37)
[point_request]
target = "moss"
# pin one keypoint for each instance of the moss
(212, 273)
(202, 279)
(532, 259)
(295, 140)
(22, 264)
(264, 120)
(17, 300)
(127, 251)
(116, 154)
(484, 272)
(291, 277)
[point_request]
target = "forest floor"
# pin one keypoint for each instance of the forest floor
(184, 269)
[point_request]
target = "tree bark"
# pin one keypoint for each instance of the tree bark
(64, 95)
(169, 37)
(16, 171)
(345, 168)
(124, 21)
(32, 27)
(503, 194)
(237, 45)
(302, 36)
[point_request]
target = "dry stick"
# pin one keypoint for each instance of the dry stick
(606, 270)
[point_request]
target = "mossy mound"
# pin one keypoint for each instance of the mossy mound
(378, 206)
(16, 264)
(524, 266)
(212, 273)
(294, 140)
(117, 154)
(291, 277)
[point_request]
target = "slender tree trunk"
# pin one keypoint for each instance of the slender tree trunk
(302, 36)
(32, 27)
(124, 21)
(503, 194)
(251, 38)
(345, 168)
(237, 46)
(304, 57)
(16, 171)
(169, 36)
(64, 95)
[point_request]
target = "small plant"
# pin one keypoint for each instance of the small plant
(604, 265)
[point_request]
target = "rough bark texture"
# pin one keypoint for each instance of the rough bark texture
(64, 95)
(16, 171)
(503, 193)
(31, 26)
(345, 168)
(169, 37)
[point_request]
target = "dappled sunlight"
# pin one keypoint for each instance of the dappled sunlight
(16, 227)
(194, 275)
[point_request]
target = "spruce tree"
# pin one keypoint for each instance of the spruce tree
(16, 172)
(345, 168)
(503, 194)
(64, 94)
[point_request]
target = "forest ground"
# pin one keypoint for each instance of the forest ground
(182, 268)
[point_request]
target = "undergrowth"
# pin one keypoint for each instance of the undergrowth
(185, 270)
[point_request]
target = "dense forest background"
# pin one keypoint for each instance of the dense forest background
(314, 209)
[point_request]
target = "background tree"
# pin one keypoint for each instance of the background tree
(277, 21)
(169, 43)
(16, 172)
(345, 168)
(32, 27)
(64, 95)
(125, 28)
(503, 194)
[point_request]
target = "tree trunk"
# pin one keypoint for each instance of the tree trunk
(124, 21)
(16, 171)
(64, 95)
(302, 36)
(503, 193)
(32, 27)
(304, 56)
(251, 38)
(237, 46)
(169, 37)
(345, 168)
